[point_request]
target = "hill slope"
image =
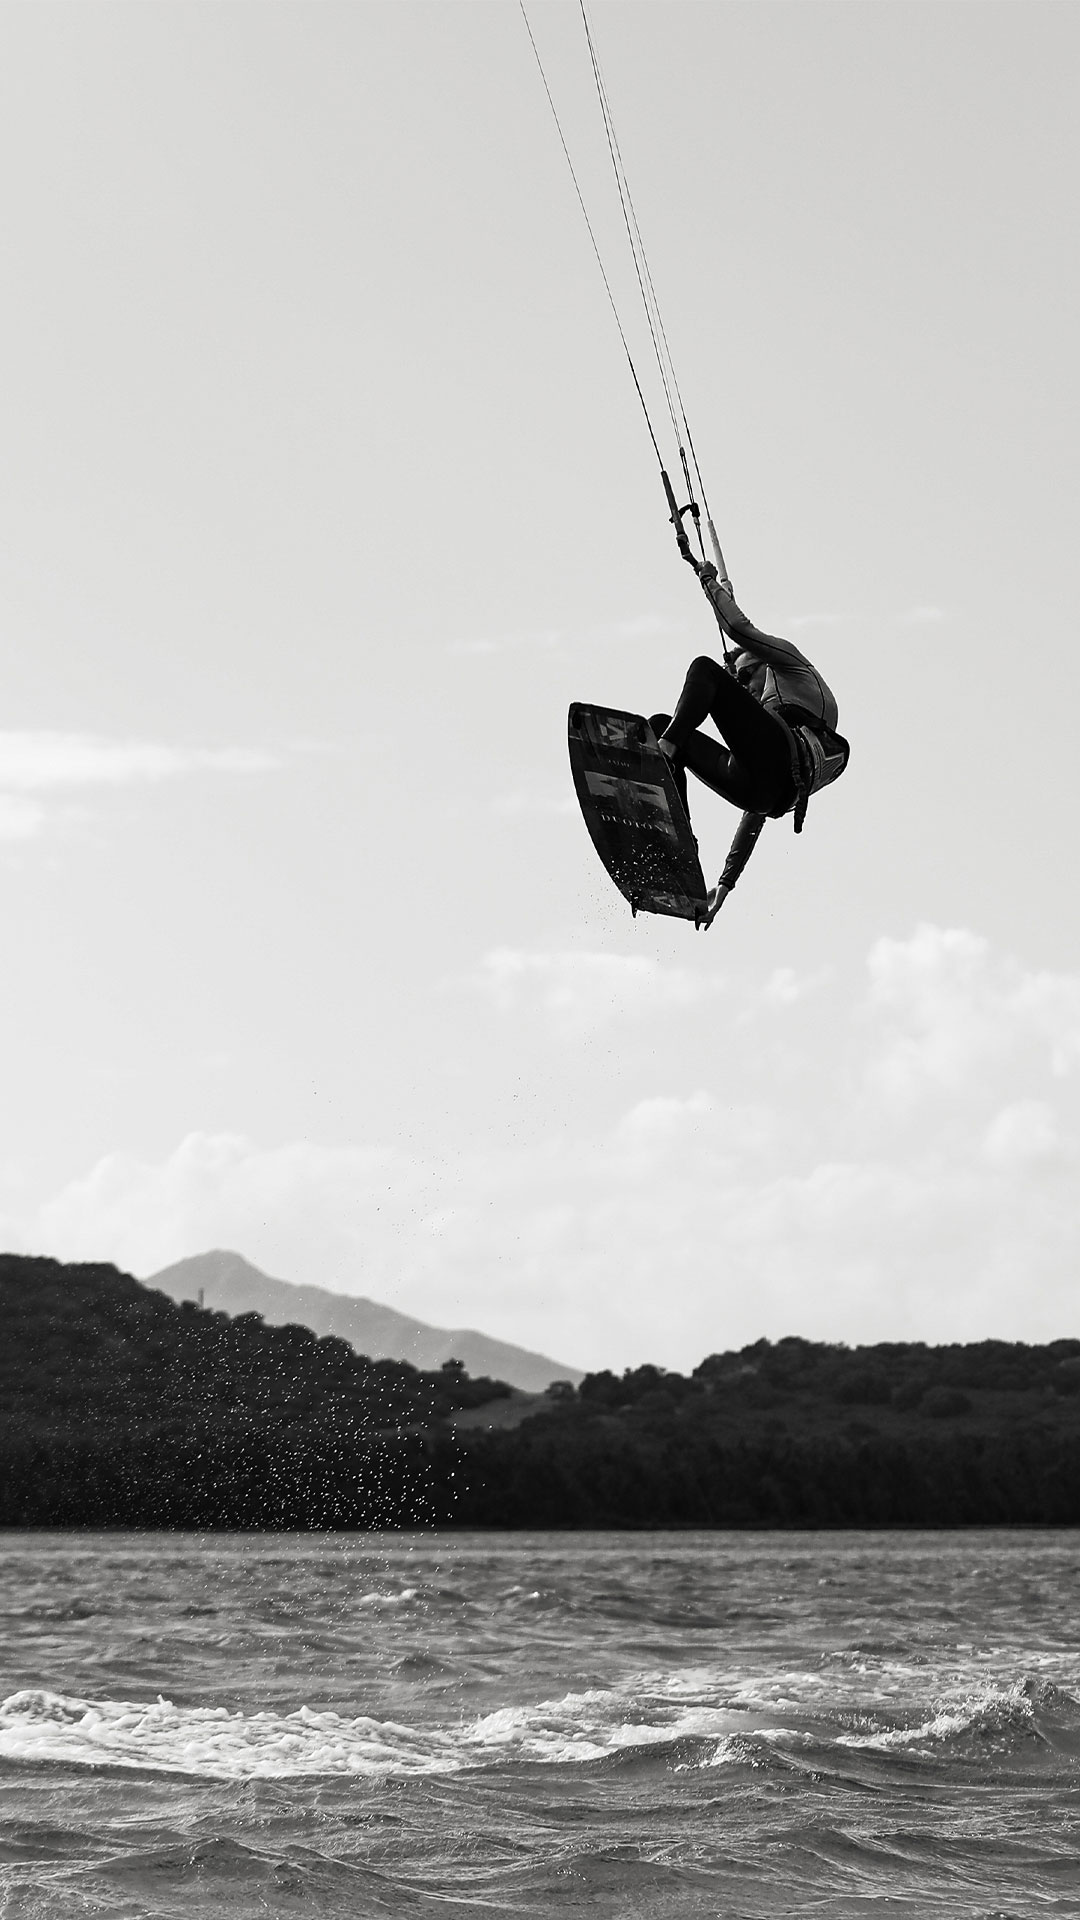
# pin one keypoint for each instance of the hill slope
(231, 1284)
(120, 1408)
(89, 1352)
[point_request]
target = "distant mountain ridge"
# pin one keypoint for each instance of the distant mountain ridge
(233, 1285)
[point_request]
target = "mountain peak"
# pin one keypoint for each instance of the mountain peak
(232, 1284)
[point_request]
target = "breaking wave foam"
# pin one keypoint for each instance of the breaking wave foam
(721, 1724)
(1002, 1716)
(39, 1726)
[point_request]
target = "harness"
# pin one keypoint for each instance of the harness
(818, 757)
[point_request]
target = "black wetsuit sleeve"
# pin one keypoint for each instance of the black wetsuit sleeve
(733, 621)
(746, 839)
(793, 686)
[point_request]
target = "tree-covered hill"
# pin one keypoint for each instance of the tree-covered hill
(88, 1350)
(119, 1407)
(799, 1433)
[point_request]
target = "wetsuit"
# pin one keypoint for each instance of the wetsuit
(777, 718)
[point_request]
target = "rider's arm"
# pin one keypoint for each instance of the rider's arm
(746, 839)
(733, 621)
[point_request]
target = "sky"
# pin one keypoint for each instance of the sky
(324, 490)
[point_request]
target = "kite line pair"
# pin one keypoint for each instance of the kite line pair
(773, 710)
(646, 286)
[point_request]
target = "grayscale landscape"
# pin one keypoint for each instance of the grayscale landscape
(513, 1402)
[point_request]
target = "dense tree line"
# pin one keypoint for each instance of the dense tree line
(119, 1408)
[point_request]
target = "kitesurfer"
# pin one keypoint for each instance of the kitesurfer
(775, 714)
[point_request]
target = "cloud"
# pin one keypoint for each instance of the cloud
(1026, 1131)
(38, 762)
(20, 819)
(579, 990)
(905, 1165)
(918, 616)
(315, 1202)
(949, 1013)
(47, 765)
(664, 1118)
(796, 621)
(786, 988)
(925, 616)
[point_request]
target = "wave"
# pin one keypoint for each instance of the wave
(995, 1716)
(42, 1727)
(37, 1725)
(689, 1718)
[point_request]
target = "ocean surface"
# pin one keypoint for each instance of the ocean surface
(602, 1724)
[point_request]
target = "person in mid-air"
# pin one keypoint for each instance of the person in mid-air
(775, 715)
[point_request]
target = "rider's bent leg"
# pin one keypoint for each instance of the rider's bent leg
(755, 771)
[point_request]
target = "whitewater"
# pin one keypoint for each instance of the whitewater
(736, 1724)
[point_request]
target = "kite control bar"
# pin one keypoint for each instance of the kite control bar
(678, 515)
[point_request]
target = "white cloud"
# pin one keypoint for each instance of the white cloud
(916, 616)
(786, 988)
(797, 621)
(579, 990)
(38, 767)
(664, 1118)
(924, 616)
(949, 1010)
(1026, 1131)
(313, 1202)
(20, 819)
(38, 762)
(699, 1216)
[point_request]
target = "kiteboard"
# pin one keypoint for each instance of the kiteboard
(634, 813)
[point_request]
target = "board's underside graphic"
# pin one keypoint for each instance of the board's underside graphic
(633, 812)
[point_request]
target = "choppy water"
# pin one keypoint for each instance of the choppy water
(624, 1725)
